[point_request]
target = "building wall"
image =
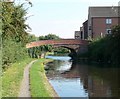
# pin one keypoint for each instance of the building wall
(97, 20)
(89, 24)
(85, 29)
(99, 26)
(81, 33)
(77, 35)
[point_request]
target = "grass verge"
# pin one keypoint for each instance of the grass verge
(12, 78)
(39, 85)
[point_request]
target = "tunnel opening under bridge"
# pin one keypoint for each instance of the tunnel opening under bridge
(72, 53)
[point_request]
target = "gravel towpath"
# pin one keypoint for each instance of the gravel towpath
(24, 87)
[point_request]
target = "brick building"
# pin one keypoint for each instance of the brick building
(85, 29)
(101, 20)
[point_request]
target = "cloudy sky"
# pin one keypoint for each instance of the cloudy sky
(61, 17)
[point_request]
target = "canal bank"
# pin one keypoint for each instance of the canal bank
(39, 84)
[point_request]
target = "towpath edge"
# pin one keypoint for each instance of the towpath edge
(25, 87)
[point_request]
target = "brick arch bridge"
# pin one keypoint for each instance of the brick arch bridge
(76, 46)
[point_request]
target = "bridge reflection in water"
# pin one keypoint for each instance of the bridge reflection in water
(98, 82)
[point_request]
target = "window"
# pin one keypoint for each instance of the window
(90, 28)
(108, 21)
(108, 31)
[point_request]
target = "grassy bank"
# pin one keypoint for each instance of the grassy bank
(39, 85)
(12, 77)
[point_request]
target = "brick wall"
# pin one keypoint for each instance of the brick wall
(57, 42)
(99, 25)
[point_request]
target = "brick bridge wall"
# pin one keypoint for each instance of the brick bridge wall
(76, 46)
(57, 42)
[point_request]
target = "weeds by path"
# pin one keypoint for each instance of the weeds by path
(12, 78)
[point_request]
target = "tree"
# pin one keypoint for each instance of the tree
(14, 22)
(49, 37)
(32, 38)
(41, 38)
(115, 42)
(14, 35)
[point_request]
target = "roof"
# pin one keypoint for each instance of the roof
(103, 11)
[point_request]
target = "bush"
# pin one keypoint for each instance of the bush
(12, 52)
(107, 49)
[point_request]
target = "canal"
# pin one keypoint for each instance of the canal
(70, 79)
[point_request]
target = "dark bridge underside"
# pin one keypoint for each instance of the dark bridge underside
(73, 53)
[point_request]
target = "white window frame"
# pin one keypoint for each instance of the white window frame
(108, 21)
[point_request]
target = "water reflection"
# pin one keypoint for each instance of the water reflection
(80, 80)
(103, 82)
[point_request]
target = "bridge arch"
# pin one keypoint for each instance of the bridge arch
(75, 45)
(72, 51)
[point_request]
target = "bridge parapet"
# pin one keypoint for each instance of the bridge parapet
(57, 42)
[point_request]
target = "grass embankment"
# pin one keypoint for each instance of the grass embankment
(12, 78)
(39, 85)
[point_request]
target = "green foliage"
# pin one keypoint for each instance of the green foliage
(32, 38)
(41, 38)
(14, 22)
(14, 35)
(115, 44)
(35, 52)
(49, 37)
(61, 51)
(0, 48)
(12, 52)
(107, 49)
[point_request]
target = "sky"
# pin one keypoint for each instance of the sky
(61, 17)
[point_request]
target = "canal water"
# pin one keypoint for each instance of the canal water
(70, 79)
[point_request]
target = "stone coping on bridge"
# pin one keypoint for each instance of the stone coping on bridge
(57, 42)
